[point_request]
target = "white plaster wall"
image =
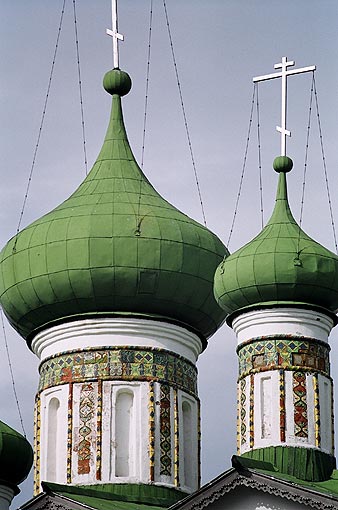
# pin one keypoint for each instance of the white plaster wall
(110, 332)
(266, 409)
(139, 432)
(60, 432)
(280, 321)
(325, 401)
(193, 440)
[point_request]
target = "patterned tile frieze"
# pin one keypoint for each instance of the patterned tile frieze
(282, 408)
(283, 353)
(165, 430)
(86, 415)
(99, 432)
(316, 410)
(37, 449)
(176, 442)
(69, 434)
(151, 409)
(121, 363)
(300, 404)
(243, 410)
(251, 412)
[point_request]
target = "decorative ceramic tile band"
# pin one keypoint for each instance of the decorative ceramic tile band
(316, 410)
(99, 432)
(37, 453)
(70, 434)
(300, 404)
(282, 409)
(165, 430)
(251, 412)
(86, 415)
(243, 411)
(238, 428)
(277, 353)
(176, 442)
(151, 409)
(119, 363)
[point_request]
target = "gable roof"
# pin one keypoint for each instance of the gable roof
(103, 497)
(263, 477)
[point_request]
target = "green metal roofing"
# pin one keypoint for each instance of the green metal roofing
(329, 486)
(118, 496)
(303, 463)
(281, 265)
(114, 246)
(16, 456)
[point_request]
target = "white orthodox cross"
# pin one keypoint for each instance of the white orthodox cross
(284, 73)
(115, 34)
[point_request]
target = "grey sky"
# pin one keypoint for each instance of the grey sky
(220, 45)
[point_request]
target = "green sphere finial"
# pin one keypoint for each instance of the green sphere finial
(117, 82)
(282, 164)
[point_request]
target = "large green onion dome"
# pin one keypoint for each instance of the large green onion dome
(114, 247)
(16, 457)
(281, 265)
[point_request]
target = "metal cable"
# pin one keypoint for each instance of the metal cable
(80, 89)
(259, 160)
(11, 372)
(306, 159)
(184, 114)
(41, 124)
(138, 226)
(324, 167)
(244, 164)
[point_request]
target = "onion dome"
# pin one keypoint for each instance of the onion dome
(16, 456)
(114, 247)
(281, 265)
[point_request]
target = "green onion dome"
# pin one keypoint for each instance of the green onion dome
(16, 456)
(114, 247)
(281, 265)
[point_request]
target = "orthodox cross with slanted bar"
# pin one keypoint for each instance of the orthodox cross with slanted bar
(115, 34)
(284, 73)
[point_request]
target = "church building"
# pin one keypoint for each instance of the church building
(117, 293)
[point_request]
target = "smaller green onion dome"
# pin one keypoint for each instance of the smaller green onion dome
(117, 82)
(281, 266)
(16, 456)
(114, 247)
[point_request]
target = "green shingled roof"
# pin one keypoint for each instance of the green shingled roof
(282, 265)
(117, 496)
(115, 246)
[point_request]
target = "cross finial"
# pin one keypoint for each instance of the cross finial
(284, 73)
(115, 34)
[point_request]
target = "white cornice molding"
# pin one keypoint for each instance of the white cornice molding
(282, 321)
(111, 332)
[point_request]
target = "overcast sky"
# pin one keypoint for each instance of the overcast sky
(220, 45)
